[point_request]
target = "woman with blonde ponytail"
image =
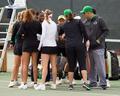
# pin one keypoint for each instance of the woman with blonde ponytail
(16, 43)
(48, 47)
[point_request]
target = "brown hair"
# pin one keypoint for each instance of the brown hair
(27, 16)
(47, 12)
(33, 12)
(41, 16)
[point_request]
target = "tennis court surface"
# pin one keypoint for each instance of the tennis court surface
(62, 90)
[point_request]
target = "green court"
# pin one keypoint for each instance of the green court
(62, 90)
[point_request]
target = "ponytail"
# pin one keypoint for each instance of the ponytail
(48, 14)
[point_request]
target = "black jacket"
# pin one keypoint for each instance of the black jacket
(15, 37)
(96, 30)
(74, 33)
(29, 31)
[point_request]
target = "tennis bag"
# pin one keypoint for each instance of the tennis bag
(113, 64)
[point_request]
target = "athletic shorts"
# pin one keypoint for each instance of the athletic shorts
(49, 50)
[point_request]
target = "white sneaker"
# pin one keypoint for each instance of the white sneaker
(31, 84)
(53, 86)
(58, 82)
(108, 83)
(48, 83)
(74, 82)
(35, 86)
(40, 87)
(13, 83)
(23, 86)
(67, 81)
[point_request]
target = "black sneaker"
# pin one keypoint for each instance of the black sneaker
(70, 87)
(104, 87)
(92, 85)
(86, 86)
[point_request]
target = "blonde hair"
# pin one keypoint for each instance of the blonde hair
(22, 14)
(19, 16)
(47, 13)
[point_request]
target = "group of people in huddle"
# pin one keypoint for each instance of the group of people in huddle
(36, 37)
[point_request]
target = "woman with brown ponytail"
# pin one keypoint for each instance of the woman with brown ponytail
(29, 30)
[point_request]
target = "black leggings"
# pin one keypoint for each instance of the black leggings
(75, 54)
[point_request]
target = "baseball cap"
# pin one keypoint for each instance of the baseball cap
(86, 9)
(77, 17)
(61, 17)
(67, 12)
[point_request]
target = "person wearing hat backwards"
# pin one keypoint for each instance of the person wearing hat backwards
(61, 44)
(74, 31)
(97, 32)
(61, 50)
